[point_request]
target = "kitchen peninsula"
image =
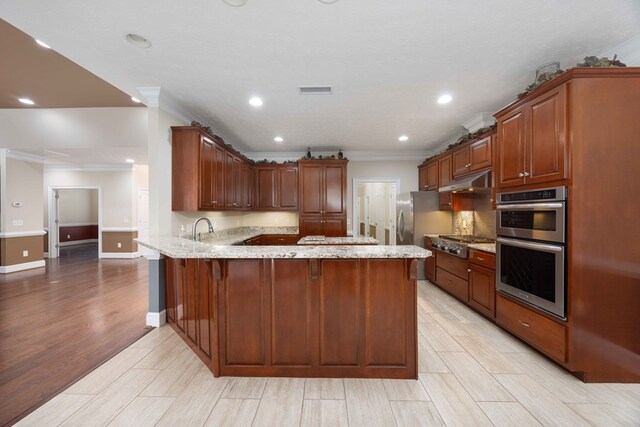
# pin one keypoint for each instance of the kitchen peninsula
(294, 310)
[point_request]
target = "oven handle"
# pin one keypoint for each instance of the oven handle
(529, 245)
(530, 206)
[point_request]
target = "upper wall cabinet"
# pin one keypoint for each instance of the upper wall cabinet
(206, 175)
(276, 187)
(428, 176)
(532, 141)
(473, 157)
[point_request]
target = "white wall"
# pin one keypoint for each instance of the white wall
(117, 197)
(21, 182)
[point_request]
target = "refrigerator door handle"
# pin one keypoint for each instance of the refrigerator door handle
(401, 226)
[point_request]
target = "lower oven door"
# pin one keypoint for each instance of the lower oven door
(532, 272)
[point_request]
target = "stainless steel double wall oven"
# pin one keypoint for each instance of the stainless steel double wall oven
(531, 247)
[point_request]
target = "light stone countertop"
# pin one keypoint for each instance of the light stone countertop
(360, 240)
(182, 248)
(234, 236)
(487, 247)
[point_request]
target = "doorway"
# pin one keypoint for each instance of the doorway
(374, 212)
(75, 222)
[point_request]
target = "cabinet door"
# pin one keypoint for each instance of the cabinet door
(180, 278)
(334, 227)
(265, 188)
(288, 188)
(311, 226)
(446, 201)
(229, 188)
(460, 161)
(482, 293)
(480, 154)
(217, 192)
(444, 168)
(237, 183)
(191, 300)
(422, 178)
(206, 288)
(334, 189)
(546, 150)
(206, 175)
(511, 137)
(170, 289)
(247, 186)
(311, 189)
(430, 267)
(432, 175)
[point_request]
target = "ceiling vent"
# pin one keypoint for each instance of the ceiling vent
(315, 90)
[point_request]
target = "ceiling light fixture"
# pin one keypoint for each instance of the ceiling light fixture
(26, 101)
(255, 101)
(403, 138)
(130, 161)
(445, 99)
(235, 3)
(138, 41)
(43, 44)
(278, 139)
(136, 100)
(327, 1)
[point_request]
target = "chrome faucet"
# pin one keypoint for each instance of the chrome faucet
(196, 236)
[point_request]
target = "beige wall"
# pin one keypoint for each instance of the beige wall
(78, 206)
(21, 182)
(117, 197)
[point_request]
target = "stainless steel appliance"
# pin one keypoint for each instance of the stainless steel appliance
(531, 247)
(457, 245)
(418, 213)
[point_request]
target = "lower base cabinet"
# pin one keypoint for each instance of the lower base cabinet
(300, 317)
(325, 226)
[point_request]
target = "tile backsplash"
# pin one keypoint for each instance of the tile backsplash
(479, 222)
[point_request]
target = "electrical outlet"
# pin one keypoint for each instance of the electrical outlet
(25, 254)
(119, 244)
(68, 236)
(18, 222)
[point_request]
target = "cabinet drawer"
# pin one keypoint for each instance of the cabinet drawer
(482, 258)
(451, 283)
(548, 336)
(453, 264)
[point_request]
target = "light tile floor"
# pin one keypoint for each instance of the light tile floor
(471, 374)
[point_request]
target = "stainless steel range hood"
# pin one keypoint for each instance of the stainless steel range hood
(475, 181)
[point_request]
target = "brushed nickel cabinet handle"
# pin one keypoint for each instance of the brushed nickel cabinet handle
(525, 324)
(480, 259)
(526, 174)
(520, 174)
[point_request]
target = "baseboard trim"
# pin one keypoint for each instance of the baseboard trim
(126, 255)
(19, 267)
(157, 319)
(77, 242)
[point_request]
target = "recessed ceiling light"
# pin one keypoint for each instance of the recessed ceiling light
(327, 1)
(235, 3)
(43, 44)
(138, 41)
(403, 138)
(134, 99)
(130, 161)
(26, 101)
(278, 139)
(445, 99)
(255, 101)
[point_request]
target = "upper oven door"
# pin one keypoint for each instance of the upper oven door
(537, 221)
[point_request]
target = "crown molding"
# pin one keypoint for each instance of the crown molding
(90, 168)
(479, 121)
(442, 147)
(27, 157)
(351, 155)
(628, 51)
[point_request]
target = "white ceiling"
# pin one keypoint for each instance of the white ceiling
(387, 61)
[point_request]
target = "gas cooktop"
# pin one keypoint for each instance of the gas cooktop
(466, 239)
(456, 244)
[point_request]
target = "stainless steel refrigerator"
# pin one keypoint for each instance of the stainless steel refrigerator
(418, 213)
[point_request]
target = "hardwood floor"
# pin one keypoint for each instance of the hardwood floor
(471, 373)
(60, 322)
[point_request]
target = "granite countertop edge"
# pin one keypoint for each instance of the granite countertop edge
(182, 248)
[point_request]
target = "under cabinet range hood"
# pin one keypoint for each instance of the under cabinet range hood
(473, 182)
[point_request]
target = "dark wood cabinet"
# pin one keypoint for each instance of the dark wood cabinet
(428, 176)
(452, 275)
(430, 263)
(532, 141)
(206, 175)
(276, 187)
(472, 158)
(482, 292)
(445, 175)
(450, 201)
(323, 197)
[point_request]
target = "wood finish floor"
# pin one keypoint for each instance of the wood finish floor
(59, 322)
(471, 374)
